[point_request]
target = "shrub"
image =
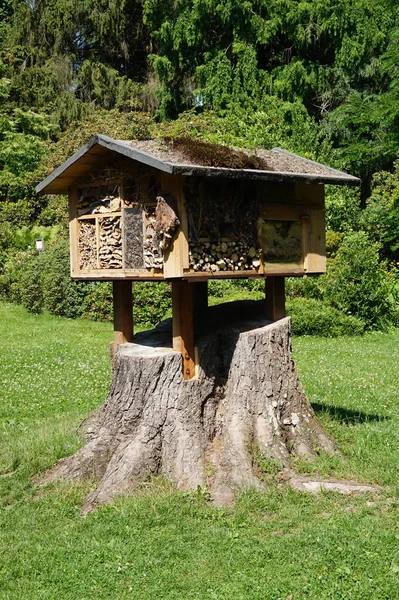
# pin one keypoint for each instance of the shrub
(357, 282)
(333, 241)
(380, 218)
(152, 302)
(97, 304)
(315, 317)
(219, 288)
(29, 286)
(62, 295)
(43, 280)
(24, 238)
(343, 208)
(6, 237)
(11, 285)
(303, 287)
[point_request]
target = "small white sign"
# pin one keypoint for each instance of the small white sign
(39, 244)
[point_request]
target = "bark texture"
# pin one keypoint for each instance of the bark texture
(204, 431)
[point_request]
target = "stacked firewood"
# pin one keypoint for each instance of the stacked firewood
(110, 251)
(87, 245)
(224, 256)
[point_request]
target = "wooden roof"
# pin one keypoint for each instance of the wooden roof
(284, 166)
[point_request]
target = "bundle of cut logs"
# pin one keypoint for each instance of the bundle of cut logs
(87, 245)
(224, 256)
(110, 251)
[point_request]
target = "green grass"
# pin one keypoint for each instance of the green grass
(54, 371)
(163, 544)
(353, 384)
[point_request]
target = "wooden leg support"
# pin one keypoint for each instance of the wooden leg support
(275, 298)
(123, 312)
(183, 325)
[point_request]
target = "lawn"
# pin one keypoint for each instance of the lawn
(163, 544)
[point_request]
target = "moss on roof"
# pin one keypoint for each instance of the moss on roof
(214, 155)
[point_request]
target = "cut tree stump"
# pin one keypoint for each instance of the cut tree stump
(202, 431)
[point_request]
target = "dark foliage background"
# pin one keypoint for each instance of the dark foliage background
(320, 78)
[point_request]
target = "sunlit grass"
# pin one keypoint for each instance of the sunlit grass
(160, 543)
(53, 372)
(353, 384)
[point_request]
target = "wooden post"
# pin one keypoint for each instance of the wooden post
(176, 258)
(275, 298)
(183, 325)
(123, 312)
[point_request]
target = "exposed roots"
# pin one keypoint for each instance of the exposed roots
(198, 432)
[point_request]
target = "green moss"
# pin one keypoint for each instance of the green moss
(215, 155)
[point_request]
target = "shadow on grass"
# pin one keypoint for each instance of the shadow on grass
(346, 416)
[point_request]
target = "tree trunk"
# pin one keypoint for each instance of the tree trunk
(200, 432)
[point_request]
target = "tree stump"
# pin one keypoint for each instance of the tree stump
(200, 432)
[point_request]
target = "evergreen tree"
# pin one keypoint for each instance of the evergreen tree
(218, 53)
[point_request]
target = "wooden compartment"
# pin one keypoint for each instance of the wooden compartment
(136, 212)
(228, 229)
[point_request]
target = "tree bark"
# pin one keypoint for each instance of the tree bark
(200, 432)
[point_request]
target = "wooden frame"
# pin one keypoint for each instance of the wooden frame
(296, 202)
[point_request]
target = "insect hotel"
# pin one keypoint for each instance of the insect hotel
(186, 211)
